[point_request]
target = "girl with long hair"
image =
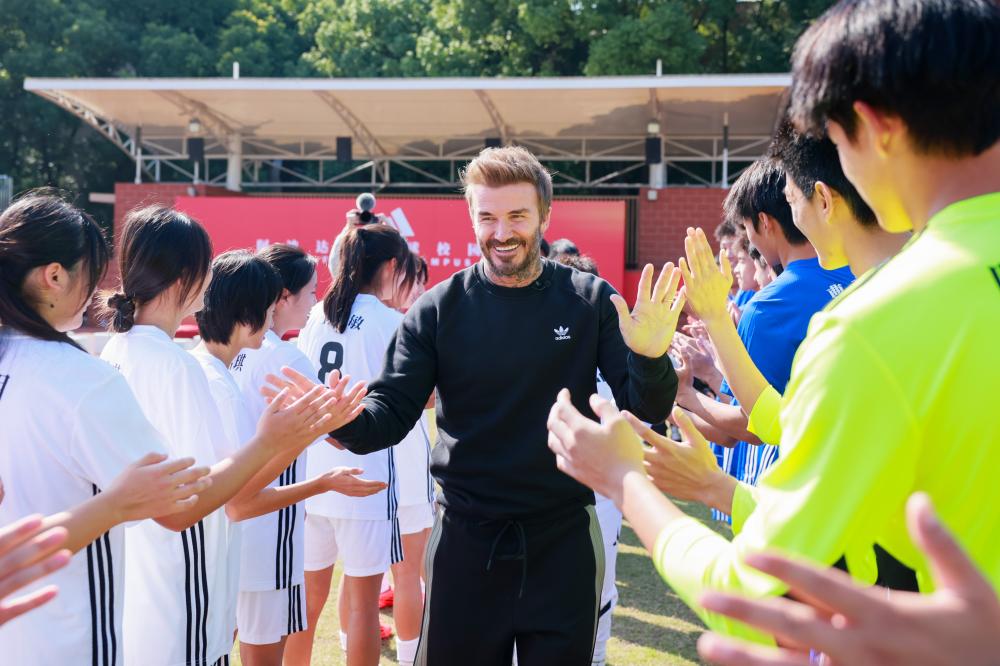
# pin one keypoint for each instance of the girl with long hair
(74, 442)
(176, 588)
(349, 332)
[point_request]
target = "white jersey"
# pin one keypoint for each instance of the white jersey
(413, 460)
(70, 425)
(273, 544)
(176, 609)
(239, 429)
(359, 352)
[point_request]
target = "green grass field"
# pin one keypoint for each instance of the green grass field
(651, 624)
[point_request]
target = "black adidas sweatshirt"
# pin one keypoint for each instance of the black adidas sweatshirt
(498, 356)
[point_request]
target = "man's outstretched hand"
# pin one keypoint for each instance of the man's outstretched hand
(650, 327)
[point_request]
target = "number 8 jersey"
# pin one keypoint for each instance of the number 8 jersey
(359, 352)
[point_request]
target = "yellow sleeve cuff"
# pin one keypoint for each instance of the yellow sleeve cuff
(744, 502)
(765, 417)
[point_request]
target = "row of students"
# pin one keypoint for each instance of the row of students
(864, 423)
(85, 441)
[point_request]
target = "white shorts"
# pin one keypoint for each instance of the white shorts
(415, 518)
(263, 618)
(365, 547)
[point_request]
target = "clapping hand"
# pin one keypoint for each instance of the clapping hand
(707, 285)
(649, 327)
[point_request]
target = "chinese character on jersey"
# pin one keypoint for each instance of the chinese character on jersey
(355, 322)
(238, 362)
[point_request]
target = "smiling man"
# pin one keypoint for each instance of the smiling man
(516, 553)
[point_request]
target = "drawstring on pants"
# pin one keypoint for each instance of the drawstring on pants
(521, 554)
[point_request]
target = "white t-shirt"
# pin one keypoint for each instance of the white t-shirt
(273, 544)
(239, 430)
(175, 583)
(68, 426)
(359, 352)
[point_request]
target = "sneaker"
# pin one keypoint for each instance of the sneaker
(385, 631)
(386, 599)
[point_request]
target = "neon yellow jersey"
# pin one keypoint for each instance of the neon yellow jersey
(890, 393)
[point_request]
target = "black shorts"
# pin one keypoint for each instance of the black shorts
(496, 582)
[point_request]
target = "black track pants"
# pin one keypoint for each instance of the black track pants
(491, 583)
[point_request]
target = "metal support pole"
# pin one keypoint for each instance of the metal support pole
(234, 163)
(725, 150)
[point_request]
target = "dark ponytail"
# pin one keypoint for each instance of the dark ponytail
(159, 247)
(36, 230)
(362, 252)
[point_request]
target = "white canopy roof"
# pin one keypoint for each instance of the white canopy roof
(423, 118)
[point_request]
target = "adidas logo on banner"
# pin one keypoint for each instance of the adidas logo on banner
(562, 333)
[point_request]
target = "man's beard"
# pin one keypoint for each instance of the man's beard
(520, 270)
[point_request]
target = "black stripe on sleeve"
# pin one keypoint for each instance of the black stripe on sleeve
(102, 587)
(187, 594)
(112, 628)
(93, 605)
(204, 584)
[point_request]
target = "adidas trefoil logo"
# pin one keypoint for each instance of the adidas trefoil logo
(562, 333)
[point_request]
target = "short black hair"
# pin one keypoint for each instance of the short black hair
(242, 289)
(580, 262)
(808, 159)
(761, 189)
(725, 229)
(933, 63)
(294, 265)
(563, 246)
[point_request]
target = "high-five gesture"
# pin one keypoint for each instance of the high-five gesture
(650, 327)
(706, 284)
(344, 406)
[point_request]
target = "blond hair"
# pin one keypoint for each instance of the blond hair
(510, 165)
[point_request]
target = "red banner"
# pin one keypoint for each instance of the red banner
(440, 230)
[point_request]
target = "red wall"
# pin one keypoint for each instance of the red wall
(662, 224)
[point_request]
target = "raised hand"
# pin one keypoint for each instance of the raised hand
(598, 455)
(28, 552)
(347, 481)
(687, 469)
(959, 623)
(707, 285)
(153, 486)
(296, 422)
(649, 328)
(346, 404)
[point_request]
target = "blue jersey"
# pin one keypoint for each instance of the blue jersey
(773, 324)
(743, 297)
